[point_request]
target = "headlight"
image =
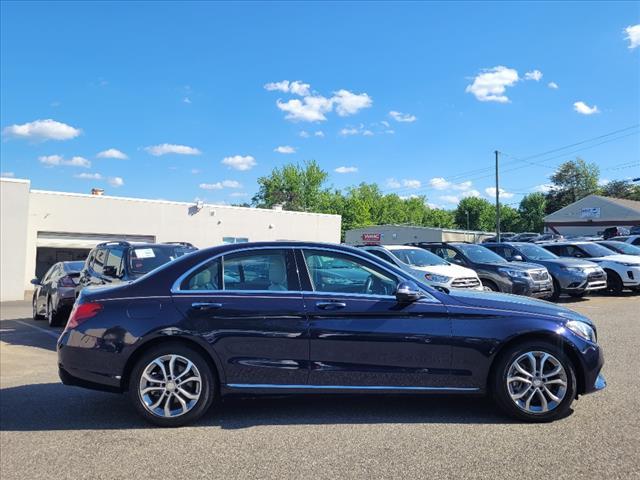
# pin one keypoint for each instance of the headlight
(514, 273)
(582, 330)
(432, 277)
(575, 269)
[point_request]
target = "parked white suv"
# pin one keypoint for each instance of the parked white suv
(623, 271)
(427, 266)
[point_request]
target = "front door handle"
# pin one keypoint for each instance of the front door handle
(206, 306)
(330, 305)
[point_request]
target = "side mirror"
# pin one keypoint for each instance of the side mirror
(408, 292)
(517, 258)
(36, 282)
(110, 271)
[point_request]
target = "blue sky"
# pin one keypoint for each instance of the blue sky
(194, 94)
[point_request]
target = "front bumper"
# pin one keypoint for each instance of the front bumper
(579, 282)
(529, 288)
(631, 276)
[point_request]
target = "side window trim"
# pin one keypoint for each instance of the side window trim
(289, 253)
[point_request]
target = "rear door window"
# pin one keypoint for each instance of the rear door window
(257, 270)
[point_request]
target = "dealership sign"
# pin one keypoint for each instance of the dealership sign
(371, 237)
(591, 212)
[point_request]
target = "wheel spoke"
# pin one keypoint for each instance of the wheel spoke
(557, 381)
(146, 376)
(543, 360)
(190, 379)
(185, 371)
(519, 395)
(158, 402)
(518, 379)
(159, 363)
(533, 362)
(543, 401)
(521, 370)
(190, 396)
(553, 372)
(551, 395)
(172, 364)
(528, 402)
(151, 389)
(182, 402)
(167, 406)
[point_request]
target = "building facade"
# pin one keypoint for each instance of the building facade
(401, 234)
(40, 228)
(592, 214)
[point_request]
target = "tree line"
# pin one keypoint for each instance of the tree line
(303, 187)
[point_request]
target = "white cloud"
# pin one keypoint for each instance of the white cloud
(470, 193)
(491, 84)
(296, 87)
(543, 188)
(220, 185)
(240, 162)
(453, 199)
(346, 170)
(393, 183)
(633, 35)
(409, 197)
(196, 171)
(491, 193)
(358, 130)
(603, 181)
(285, 149)
(112, 153)
(186, 100)
(533, 75)
(7, 174)
(318, 133)
(115, 181)
(42, 130)
(348, 103)
(304, 134)
(584, 109)
(310, 109)
(59, 160)
(401, 117)
(88, 176)
(440, 183)
(410, 183)
(238, 194)
(553, 85)
(169, 148)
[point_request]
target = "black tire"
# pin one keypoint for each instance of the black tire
(578, 294)
(488, 284)
(53, 317)
(35, 314)
(500, 389)
(555, 296)
(614, 283)
(207, 391)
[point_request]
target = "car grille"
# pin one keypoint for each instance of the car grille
(539, 275)
(466, 282)
(597, 275)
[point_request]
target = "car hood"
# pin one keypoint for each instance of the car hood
(618, 258)
(454, 271)
(567, 262)
(515, 303)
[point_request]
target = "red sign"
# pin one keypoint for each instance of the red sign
(371, 237)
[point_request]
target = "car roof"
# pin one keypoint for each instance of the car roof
(399, 247)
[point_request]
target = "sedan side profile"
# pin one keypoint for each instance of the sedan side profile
(299, 318)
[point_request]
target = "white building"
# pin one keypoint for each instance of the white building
(39, 228)
(401, 234)
(592, 214)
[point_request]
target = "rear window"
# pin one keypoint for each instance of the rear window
(73, 267)
(143, 259)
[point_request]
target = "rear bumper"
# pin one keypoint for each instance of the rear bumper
(72, 380)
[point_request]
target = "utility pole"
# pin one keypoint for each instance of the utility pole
(497, 199)
(467, 212)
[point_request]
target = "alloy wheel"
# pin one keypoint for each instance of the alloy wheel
(170, 386)
(537, 382)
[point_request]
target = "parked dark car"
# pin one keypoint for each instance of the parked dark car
(572, 276)
(183, 335)
(635, 230)
(525, 237)
(620, 247)
(614, 232)
(632, 239)
(496, 273)
(115, 262)
(54, 294)
(547, 237)
(504, 236)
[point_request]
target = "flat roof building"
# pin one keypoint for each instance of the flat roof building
(40, 228)
(401, 234)
(592, 214)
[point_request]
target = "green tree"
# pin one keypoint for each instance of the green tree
(435, 217)
(480, 214)
(572, 181)
(621, 189)
(294, 186)
(532, 211)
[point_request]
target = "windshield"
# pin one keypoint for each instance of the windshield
(417, 257)
(144, 259)
(480, 254)
(623, 247)
(534, 252)
(73, 267)
(595, 250)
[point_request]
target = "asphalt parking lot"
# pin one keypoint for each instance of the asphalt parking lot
(49, 429)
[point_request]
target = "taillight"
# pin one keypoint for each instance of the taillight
(66, 281)
(82, 312)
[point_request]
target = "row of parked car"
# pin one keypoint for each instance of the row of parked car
(108, 263)
(542, 270)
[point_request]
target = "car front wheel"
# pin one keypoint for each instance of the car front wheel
(171, 385)
(534, 382)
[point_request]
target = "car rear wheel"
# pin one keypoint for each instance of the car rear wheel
(171, 385)
(535, 382)
(34, 307)
(53, 317)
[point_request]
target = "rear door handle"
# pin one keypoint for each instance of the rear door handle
(206, 306)
(330, 305)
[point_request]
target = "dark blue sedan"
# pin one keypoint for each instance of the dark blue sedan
(289, 317)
